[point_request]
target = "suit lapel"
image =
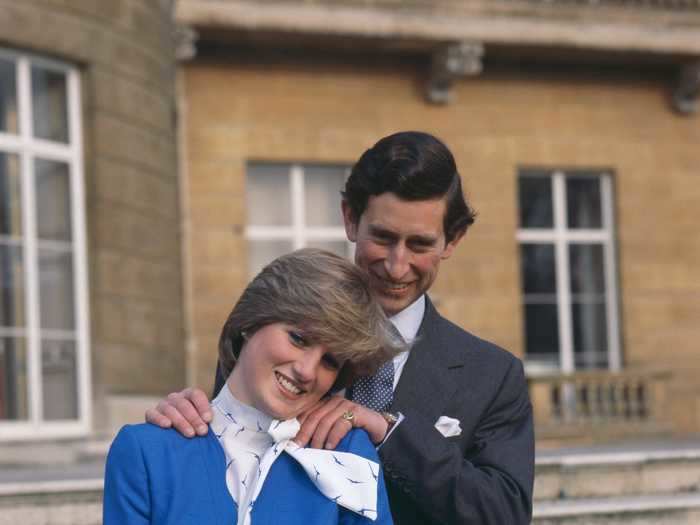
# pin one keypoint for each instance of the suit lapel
(429, 378)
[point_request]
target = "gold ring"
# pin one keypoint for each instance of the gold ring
(348, 416)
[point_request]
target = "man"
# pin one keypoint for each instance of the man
(456, 442)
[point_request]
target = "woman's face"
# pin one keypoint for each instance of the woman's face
(280, 373)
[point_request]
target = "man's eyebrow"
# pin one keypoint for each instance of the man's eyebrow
(380, 230)
(424, 239)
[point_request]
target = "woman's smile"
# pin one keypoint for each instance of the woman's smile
(288, 386)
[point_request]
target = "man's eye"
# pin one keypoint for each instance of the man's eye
(420, 248)
(296, 338)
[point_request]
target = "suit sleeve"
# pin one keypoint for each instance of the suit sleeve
(360, 444)
(491, 483)
(126, 494)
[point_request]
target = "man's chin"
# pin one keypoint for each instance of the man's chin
(392, 305)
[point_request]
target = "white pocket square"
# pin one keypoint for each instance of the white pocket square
(448, 426)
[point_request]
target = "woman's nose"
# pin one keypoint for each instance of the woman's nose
(307, 364)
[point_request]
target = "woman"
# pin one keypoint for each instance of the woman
(306, 325)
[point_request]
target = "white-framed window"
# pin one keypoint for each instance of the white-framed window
(568, 275)
(44, 352)
(291, 206)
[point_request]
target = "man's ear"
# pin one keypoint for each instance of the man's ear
(450, 246)
(349, 221)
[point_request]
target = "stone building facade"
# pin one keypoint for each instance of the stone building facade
(108, 69)
(572, 124)
(558, 96)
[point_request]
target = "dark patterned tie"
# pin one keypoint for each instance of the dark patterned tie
(377, 391)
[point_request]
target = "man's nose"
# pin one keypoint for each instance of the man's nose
(397, 262)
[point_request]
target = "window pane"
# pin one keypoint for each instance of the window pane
(583, 202)
(56, 290)
(11, 286)
(49, 104)
(322, 185)
(268, 195)
(261, 253)
(13, 379)
(8, 97)
(590, 334)
(587, 275)
(10, 196)
(542, 331)
(535, 198)
(53, 200)
(337, 247)
(537, 268)
(59, 380)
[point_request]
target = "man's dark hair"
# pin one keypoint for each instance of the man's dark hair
(414, 166)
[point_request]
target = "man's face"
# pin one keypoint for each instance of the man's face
(400, 244)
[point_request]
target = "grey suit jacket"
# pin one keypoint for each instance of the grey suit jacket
(483, 476)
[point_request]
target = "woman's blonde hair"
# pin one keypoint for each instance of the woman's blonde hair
(325, 296)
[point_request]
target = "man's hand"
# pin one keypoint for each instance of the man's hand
(323, 425)
(187, 411)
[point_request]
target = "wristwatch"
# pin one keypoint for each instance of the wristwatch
(391, 420)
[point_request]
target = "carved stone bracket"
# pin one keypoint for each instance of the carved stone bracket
(449, 62)
(687, 91)
(185, 42)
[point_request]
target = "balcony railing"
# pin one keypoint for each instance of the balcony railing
(598, 406)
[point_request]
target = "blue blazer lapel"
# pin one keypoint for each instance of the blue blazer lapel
(430, 376)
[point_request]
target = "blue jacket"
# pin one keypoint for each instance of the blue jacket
(156, 476)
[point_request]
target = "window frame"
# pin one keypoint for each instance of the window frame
(298, 232)
(28, 149)
(561, 237)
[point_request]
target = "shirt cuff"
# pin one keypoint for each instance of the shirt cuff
(401, 417)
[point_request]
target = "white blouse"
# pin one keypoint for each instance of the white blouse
(252, 441)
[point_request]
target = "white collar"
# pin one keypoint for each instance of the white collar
(408, 320)
(239, 413)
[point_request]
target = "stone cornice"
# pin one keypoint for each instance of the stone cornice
(654, 33)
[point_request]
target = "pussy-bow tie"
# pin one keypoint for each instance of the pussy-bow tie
(347, 479)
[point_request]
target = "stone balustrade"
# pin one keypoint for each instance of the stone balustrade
(598, 406)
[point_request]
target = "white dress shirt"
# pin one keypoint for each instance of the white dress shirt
(407, 322)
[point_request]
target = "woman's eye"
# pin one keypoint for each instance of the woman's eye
(331, 362)
(296, 338)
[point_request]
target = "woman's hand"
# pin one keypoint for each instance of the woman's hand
(323, 425)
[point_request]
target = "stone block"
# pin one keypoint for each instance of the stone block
(26, 25)
(124, 409)
(129, 143)
(109, 316)
(218, 176)
(152, 193)
(217, 212)
(114, 12)
(671, 477)
(120, 229)
(132, 100)
(69, 513)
